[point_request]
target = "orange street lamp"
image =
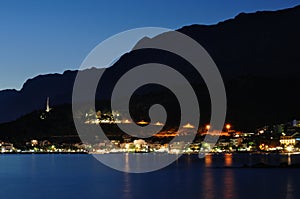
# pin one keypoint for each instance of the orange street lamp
(228, 127)
(207, 127)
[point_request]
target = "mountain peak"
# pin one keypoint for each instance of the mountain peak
(261, 46)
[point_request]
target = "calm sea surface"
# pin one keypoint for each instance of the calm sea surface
(81, 176)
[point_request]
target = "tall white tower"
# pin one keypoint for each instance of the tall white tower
(48, 109)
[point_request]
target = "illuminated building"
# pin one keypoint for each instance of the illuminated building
(188, 126)
(6, 147)
(48, 109)
(287, 140)
(143, 122)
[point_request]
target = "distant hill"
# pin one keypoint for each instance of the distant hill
(257, 55)
(34, 93)
(56, 126)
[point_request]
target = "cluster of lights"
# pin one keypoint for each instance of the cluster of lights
(227, 126)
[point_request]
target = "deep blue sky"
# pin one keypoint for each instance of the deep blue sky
(38, 37)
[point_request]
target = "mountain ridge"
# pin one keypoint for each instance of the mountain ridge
(257, 50)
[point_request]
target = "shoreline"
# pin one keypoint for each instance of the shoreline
(193, 153)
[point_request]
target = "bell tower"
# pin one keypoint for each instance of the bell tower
(48, 109)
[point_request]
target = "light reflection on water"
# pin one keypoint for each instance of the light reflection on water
(81, 176)
(289, 188)
(208, 160)
(225, 179)
(208, 185)
(127, 189)
(289, 159)
(241, 160)
(229, 191)
(228, 160)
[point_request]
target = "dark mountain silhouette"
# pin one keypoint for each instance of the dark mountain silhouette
(34, 93)
(261, 43)
(257, 55)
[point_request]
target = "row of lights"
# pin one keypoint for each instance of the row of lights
(188, 125)
(227, 126)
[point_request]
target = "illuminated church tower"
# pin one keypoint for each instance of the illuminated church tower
(48, 109)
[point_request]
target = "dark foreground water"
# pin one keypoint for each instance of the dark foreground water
(81, 176)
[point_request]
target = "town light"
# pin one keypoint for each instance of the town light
(207, 127)
(289, 148)
(142, 122)
(188, 126)
(228, 126)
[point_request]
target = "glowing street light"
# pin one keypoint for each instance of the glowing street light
(228, 126)
(289, 148)
(207, 127)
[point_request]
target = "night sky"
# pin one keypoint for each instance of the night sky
(38, 37)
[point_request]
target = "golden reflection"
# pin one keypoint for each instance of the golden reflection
(289, 188)
(228, 160)
(127, 186)
(228, 190)
(208, 184)
(289, 160)
(127, 193)
(208, 160)
(126, 165)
